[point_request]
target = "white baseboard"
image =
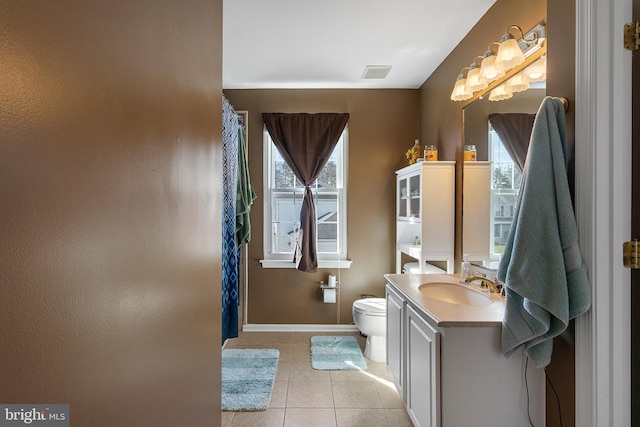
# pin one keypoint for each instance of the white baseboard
(298, 328)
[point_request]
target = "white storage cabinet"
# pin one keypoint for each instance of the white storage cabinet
(476, 212)
(425, 216)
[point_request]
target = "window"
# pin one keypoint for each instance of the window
(505, 184)
(283, 198)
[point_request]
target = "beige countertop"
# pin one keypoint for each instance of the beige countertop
(445, 314)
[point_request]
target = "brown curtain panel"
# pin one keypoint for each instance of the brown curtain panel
(306, 141)
(514, 130)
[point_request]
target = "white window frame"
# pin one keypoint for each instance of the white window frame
(495, 258)
(285, 260)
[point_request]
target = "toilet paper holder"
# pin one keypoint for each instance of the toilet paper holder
(329, 292)
(325, 286)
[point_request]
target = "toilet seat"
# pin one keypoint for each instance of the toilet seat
(371, 306)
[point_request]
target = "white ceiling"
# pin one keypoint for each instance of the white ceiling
(327, 43)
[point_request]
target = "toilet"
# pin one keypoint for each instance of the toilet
(370, 317)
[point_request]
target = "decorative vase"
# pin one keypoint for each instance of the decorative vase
(414, 153)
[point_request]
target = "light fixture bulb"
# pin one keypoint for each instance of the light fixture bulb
(516, 84)
(459, 92)
(509, 53)
(488, 71)
(536, 72)
(499, 94)
(473, 83)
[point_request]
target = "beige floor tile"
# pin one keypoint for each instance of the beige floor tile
(304, 337)
(309, 394)
(379, 369)
(276, 338)
(351, 375)
(305, 417)
(226, 418)
(355, 394)
(301, 371)
(301, 353)
(247, 338)
(389, 396)
(238, 343)
(279, 394)
(362, 418)
(282, 373)
(230, 344)
(268, 418)
(398, 418)
(284, 352)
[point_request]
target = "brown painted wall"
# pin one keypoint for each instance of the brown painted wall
(382, 126)
(110, 212)
(440, 122)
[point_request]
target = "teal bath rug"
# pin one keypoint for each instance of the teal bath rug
(247, 378)
(336, 353)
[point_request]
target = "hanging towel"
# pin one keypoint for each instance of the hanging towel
(245, 194)
(546, 279)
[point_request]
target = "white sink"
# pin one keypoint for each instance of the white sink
(454, 294)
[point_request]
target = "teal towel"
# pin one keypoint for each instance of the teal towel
(546, 279)
(245, 195)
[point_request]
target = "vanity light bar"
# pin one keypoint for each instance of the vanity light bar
(533, 46)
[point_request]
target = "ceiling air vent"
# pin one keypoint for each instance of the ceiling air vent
(376, 71)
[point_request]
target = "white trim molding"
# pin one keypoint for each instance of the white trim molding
(603, 209)
(277, 263)
(298, 328)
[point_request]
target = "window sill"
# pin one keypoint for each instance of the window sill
(272, 263)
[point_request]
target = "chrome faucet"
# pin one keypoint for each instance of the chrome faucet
(484, 282)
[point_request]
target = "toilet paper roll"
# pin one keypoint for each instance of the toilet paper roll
(332, 281)
(329, 295)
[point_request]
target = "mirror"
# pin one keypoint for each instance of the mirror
(487, 210)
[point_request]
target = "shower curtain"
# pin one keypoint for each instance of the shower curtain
(230, 272)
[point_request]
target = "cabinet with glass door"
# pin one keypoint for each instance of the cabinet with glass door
(425, 197)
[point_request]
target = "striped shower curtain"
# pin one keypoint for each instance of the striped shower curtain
(230, 254)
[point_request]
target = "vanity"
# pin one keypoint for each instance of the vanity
(444, 355)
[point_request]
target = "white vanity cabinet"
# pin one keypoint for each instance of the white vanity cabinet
(476, 215)
(395, 338)
(452, 373)
(425, 216)
(423, 370)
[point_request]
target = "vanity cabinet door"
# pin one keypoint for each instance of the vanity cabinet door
(423, 371)
(395, 340)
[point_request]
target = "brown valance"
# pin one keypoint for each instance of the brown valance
(514, 130)
(305, 142)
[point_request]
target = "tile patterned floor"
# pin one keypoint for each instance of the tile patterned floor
(305, 397)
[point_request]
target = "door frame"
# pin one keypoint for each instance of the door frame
(603, 207)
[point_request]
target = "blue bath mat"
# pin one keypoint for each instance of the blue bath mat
(247, 378)
(337, 353)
